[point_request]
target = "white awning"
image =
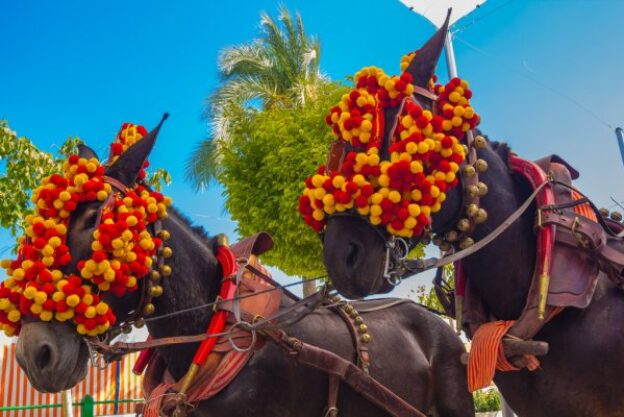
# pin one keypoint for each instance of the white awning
(435, 10)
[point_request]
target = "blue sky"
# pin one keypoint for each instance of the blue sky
(82, 68)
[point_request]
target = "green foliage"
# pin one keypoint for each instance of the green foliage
(24, 167)
(265, 162)
(486, 400)
(278, 70)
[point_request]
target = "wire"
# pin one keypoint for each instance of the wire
(553, 90)
(480, 18)
(218, 301)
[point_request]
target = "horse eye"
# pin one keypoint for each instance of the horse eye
(91, 219)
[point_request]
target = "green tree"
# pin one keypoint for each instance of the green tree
(278, 70)
(263, 169)
(24, 167)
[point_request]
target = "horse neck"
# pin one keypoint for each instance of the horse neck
(500, 273)
(195, 281)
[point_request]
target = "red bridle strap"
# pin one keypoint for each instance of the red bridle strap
(228, 291)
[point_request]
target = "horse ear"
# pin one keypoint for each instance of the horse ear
(424, 63)
(85, 152)
(127, 166)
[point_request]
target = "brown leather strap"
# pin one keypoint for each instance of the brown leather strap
(332, 364)
(363, 359)
(332, 397)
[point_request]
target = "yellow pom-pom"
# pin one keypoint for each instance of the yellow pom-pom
(58, 296)
(375, 210)
(328, 200)
(5, 264)
(319, 193)
(14, 316)
(394, 196)
(375, 220)
(318, 215)
(338, 181)
(73, 300)
(18, 274)
(81, 329)
(5, 304)
(101, 308)
(384, 180)
(416, 195)
(46, 315)
(64, 196)
(101, 195)
(376, 198)
(318, 180)
(90, 312)
(410, 223)
(40, 297)
(30, 292)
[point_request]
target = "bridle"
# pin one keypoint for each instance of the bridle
(148, 289)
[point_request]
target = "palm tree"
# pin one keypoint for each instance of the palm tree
(279, 69)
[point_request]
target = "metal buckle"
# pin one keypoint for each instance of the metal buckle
(97, 360)
(245, 326)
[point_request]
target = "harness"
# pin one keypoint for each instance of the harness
(247, 315)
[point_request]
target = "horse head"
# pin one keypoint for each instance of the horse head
(78, 299)
(358, 240)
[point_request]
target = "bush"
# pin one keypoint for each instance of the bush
(486, 400)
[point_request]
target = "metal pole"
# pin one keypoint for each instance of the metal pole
(68, 407)
(619, 133)
(451, 66)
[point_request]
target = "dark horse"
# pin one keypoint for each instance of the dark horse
(414, 353)
(581, 375)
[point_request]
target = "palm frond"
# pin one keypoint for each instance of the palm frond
(243, 60)
(202, 167)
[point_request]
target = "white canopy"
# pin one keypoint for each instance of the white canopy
(435, 10)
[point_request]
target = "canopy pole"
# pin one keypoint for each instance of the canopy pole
(451, 65)
(620, 140)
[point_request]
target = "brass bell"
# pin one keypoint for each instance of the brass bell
(616, 215)
(155, 275)
(437, 240)
(468, 170)
(164, 234)
(156, 291)
(481, 165)
(466, 150)
(335, 299)
(126, 328)
(481, 216)
(483, 189)
(358, 320)
(353, 314)
(604, 212)
(366, 338)
(149, 309)
(472, 190)
(165, 270)
(426, 239)
(451, 236)
(139, 323)
(166, 252)
(348, 308)
(466, 243)
(472, 209)
(480, 142)
(363, 328)
(463, 225)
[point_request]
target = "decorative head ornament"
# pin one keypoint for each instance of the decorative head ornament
(121, 250)
(396, 158)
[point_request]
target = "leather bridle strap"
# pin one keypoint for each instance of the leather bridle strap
(417, 266)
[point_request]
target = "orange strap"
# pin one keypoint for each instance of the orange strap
(583, 209)
(487, 356)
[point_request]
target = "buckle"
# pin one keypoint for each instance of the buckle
(217, 303)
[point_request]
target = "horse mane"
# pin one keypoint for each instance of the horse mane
(199, 231)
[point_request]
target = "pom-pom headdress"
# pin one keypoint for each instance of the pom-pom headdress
(121, 250)
(402, 157)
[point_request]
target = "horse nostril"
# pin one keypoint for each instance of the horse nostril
(44, 356)
(352, 254)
